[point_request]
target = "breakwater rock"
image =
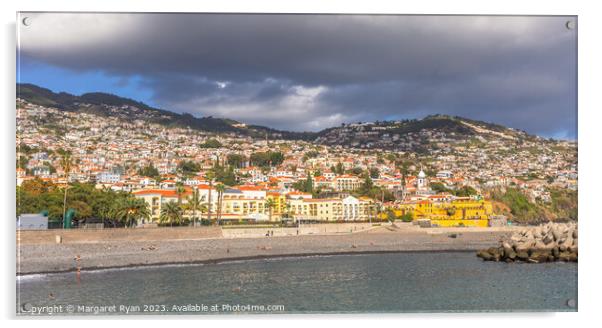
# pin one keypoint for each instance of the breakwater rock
(545, 243)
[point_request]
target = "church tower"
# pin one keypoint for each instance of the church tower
(421, 182)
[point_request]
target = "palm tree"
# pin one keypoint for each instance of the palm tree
(130, 210)
(66, 163)
(210, 175)
(270, 204)
(171, 212)
(105, 205)
(194, 203)
(287, 209)
(220, 188)
(203, 209)
(179, 191)
(378, 208)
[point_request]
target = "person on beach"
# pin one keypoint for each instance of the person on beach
(77, 267)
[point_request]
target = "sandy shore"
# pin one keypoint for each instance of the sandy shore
(45, 258)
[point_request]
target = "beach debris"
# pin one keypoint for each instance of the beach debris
(453, 235)
(149, 248)
(545, 243)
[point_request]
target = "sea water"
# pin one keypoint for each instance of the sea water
(393, 282)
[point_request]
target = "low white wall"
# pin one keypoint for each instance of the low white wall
(305, 229)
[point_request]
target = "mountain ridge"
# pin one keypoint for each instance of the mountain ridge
(349, 134)
(100, 103)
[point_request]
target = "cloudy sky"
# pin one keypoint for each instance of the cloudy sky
(309, 72)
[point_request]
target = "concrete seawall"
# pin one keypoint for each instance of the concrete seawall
(83, 236)
(71, 236)
(305, 229)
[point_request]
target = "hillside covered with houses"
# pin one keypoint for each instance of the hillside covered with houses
(359, 171)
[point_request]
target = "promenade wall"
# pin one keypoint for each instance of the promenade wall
(67, 236)
(305, 229)
(75, 236)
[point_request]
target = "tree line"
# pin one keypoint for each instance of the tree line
(114, 208)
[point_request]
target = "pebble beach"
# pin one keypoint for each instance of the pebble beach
(59, 257)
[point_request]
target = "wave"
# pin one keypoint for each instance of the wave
(33, 276)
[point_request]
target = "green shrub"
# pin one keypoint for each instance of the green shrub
(406, 217)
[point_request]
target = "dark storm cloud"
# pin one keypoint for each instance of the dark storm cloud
(310, 72)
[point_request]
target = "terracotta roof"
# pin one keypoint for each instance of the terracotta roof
(250, 188)
(297, 193)
(162, 192)
(319, 200)
(204, 186)
(345, 176)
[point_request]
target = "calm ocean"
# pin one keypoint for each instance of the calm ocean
(400, 282)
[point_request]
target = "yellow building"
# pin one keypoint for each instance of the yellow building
(280, 205)
(331, 209)
(247, 203)
(461, 211)
(236, 205)
(240, 207)
(315, 209)
(156, 198)
(346, 182)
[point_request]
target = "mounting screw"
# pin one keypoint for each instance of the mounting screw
(570, 25)
(571, 303)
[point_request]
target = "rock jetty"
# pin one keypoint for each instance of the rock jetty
(545, 243)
